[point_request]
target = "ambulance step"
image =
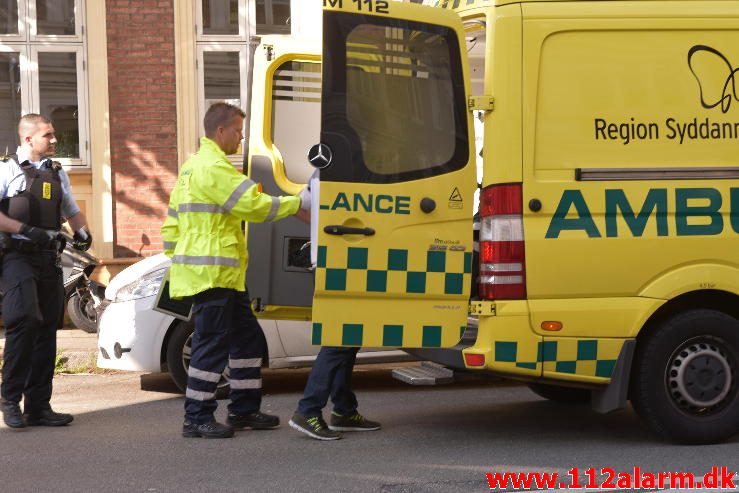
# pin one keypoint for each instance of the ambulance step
(427, 374)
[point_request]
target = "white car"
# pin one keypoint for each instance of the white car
(133, 336)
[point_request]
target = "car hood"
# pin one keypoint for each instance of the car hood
(134, 272)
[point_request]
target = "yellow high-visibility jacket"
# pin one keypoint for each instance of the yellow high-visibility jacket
(202, 233)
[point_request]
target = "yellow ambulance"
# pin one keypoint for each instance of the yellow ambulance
(597, 142)
(608, 162)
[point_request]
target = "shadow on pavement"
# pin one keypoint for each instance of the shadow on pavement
(285, 381)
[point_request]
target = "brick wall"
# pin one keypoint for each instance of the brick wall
(143, 120)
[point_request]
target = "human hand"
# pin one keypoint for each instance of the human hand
(303, 215)
(82, 240)
(40, 236)
(305, 200)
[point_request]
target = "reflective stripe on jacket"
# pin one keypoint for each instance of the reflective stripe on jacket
(202, 232)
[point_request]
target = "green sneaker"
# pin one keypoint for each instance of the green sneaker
(314, 427)
(354, 422)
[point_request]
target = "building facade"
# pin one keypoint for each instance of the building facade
(127, 83)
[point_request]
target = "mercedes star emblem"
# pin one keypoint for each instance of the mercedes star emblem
(320, 156)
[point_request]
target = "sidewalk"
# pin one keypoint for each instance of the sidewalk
(78, 347)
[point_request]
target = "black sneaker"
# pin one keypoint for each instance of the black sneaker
(12, 414)
(214, 429)
(255, 421)
(314, 427)
(353, 422)
(47, 417)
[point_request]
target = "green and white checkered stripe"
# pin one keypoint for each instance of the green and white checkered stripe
(396, 271)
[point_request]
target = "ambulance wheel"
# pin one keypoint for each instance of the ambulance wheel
(557, 393)
(685, 379)
(178, 353)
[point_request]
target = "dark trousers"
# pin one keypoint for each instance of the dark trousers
(331, 376)
(226, 333)
(33, 310)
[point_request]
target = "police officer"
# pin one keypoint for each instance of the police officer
(36, 196)
(203, 236)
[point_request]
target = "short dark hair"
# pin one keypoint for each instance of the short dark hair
(218, 115)
(29, 122)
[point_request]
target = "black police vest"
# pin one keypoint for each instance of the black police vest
(40, 204)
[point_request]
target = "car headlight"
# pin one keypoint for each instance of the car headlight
(148, 285)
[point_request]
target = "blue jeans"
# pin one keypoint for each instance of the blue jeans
(331, 376)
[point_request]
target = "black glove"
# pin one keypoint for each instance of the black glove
(61, 242)
(82, 240)
(40, 236)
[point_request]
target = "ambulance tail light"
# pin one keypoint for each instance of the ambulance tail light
(502, 261)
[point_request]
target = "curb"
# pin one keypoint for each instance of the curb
(75, 361)
(76, 350)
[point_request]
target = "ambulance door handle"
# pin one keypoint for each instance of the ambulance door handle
(428, 205)
(346, 230)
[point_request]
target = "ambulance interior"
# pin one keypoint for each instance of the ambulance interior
(279, 267)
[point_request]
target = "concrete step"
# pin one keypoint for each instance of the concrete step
(427, 373)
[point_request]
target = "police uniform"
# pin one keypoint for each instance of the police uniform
(203, 236)
(37, 194)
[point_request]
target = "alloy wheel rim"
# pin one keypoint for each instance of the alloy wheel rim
(89, 309)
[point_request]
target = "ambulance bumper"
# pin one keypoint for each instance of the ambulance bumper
(450, 357)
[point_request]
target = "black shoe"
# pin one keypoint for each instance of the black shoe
(314, 427)
(47, 417)
(214, 429)
(353, 422)
(255, 421)
(12, 414)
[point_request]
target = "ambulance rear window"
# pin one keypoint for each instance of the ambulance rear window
(402, 110)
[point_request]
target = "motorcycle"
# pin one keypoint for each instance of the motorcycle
(82, 295)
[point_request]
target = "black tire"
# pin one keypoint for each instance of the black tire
(558, 393)
(178, 358)
(685, 378)
(81, 311)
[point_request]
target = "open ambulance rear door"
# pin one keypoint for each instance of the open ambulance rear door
(394, 234)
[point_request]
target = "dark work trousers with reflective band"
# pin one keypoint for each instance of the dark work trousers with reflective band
(331, 376)
(226, 332)
(33, 310)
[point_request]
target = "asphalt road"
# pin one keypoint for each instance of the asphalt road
(126, 437)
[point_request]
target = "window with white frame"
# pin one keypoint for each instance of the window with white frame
(225, 20)
(222, 35)
(42, 70)
(220, 69)
(296, 115)
(273, 16)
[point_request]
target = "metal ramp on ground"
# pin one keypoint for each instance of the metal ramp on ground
(427, 373)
